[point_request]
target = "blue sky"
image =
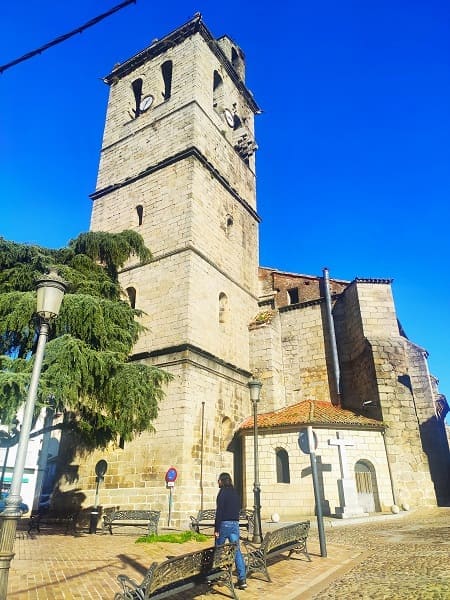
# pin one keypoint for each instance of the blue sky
(353, 161)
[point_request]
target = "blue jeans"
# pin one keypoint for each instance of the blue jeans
(229, 530)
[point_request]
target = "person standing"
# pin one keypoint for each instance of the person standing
(226, 526)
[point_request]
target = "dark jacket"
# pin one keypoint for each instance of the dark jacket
(228, 505)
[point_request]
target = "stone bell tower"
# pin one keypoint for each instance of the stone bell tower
(177, 165)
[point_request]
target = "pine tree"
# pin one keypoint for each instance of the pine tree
(86, 375)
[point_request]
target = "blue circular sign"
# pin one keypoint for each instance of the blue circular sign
(171, 474)
(303, 442)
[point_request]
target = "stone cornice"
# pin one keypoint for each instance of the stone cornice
(371, 280)
(192, 151)
(174, 38)
(190, 248)
(185, 350)
(301, 305)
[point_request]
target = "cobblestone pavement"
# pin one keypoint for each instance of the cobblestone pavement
(395, 557)
(404, 559)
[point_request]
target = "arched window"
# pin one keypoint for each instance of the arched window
(131, 293)
(223, 308)
(282, 460)
(137, 91)
(166, 71)
(140, 213)
(217, 90)
(226, 434)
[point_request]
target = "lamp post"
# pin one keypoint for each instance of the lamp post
(50, 292)
(255, 390)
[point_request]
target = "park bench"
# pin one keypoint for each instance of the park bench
(178, 574)
(53, 520)
(148, 519)
(290, 538)
(205, 519)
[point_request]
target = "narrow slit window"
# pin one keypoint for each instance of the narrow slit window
(131, 293)
(217, 89)
(229, 224)
(166, 70)
(137, 91)
(140, 213)
(223, 308)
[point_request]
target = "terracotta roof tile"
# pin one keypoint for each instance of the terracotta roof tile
(310, 412)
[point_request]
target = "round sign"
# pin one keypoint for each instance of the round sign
(171, 475)
(303, 441)
(101, 468)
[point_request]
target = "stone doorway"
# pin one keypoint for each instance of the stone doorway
(366, 487)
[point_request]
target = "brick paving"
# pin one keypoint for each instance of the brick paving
(398, 557)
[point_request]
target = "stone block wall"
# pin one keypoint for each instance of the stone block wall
(409, 464)
(297, 497)
(135, 476)
(186, 119)
(304, 354)
(376, 355)
(165, 196)
(432, 427)
(308, 287)
(266, 358)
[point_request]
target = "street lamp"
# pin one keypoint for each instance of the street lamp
(50, 292)
(255, 390)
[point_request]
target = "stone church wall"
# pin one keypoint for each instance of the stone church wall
(290, 350)
(375, 381)
(171, 220)
(179, 162)
(297, 497)
(135, 476)
(266, 358)
(187, 115)
(432, 428)
(304, 354)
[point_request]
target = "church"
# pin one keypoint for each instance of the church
(177, 164)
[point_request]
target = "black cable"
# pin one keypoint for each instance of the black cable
(66, 36)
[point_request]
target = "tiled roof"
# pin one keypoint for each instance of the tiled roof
(310, 412)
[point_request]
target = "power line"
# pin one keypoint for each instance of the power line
(66, 36)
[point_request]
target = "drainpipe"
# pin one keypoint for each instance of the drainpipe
(394, 495)
(332, 335)
(201, 456)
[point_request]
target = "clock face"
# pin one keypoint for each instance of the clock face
(229, 118)
(146, 103)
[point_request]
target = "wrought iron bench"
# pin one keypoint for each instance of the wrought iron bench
(203, 567)
(68, 521)
(136, 518)
(290, 538)
(205, 519)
